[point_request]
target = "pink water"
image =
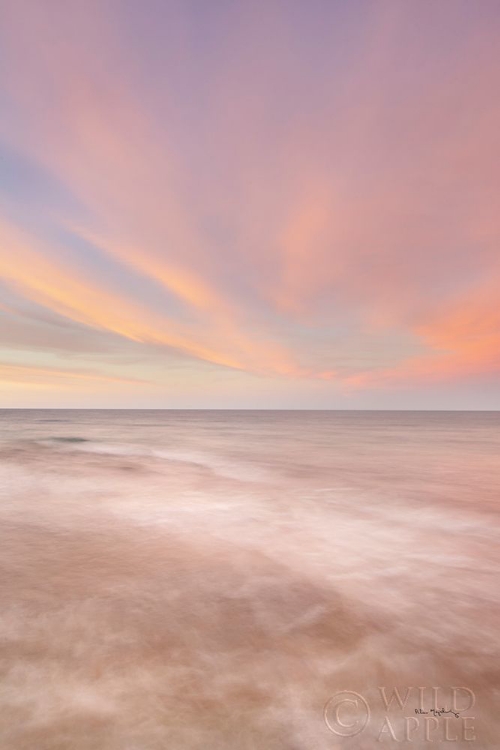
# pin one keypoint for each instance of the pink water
(210, 580)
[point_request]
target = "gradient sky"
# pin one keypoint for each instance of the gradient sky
(250, 204)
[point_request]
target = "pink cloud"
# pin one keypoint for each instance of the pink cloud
(323, 206)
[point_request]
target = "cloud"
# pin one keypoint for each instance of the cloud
(58, 288)
(287, 192)
(52, 377)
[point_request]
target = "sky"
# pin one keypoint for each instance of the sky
(253, 204)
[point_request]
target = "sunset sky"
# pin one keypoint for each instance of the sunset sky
(236, 203)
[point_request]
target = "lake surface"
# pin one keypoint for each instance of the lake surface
(179, 580)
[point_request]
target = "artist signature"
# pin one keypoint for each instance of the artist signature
(438, 712)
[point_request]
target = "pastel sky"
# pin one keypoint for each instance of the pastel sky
(255, 204)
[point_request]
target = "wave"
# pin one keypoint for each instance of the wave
(218, 465)
(69, 440)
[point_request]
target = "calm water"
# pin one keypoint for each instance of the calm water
(209, 580)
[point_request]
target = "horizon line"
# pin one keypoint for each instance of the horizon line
(96, 408)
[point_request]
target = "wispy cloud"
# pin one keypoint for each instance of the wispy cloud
(288, 192)
(50, 376)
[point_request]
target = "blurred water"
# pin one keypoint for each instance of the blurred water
(184, 579)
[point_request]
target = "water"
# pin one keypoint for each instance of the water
(187, 580)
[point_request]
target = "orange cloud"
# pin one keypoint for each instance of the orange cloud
(83, 300)
(53, 377)
(462, 341)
